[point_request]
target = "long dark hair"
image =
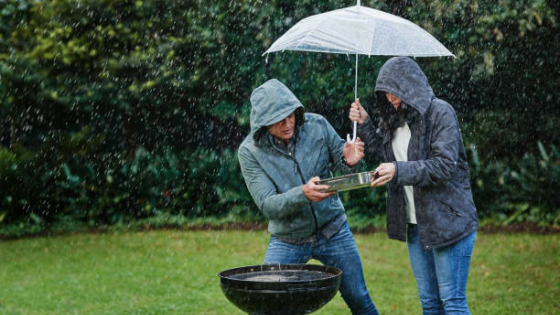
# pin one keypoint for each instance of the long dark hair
(392, 118)
(300, 119)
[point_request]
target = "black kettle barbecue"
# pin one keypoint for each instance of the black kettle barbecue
(277, 289)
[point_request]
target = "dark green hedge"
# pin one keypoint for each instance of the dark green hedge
(114, 111)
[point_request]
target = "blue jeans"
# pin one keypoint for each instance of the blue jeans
(339, 251)
(441, 274)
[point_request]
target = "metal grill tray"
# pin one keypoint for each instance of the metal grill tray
(346, 182)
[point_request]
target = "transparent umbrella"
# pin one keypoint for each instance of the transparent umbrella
(359, 30)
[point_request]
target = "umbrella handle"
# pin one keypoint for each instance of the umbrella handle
(354, 135)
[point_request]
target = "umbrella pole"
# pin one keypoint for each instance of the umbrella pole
(356, 80)
(355, 98)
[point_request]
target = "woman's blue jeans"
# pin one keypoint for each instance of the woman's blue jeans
(339, 251)
(441, 274)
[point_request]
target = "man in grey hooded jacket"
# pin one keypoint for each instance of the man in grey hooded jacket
(282, 158)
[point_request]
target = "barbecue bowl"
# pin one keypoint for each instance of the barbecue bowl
(280, 289)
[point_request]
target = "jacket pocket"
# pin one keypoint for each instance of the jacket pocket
(450, 208)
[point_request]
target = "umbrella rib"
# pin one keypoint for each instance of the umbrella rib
(314, 28)
(429, 37)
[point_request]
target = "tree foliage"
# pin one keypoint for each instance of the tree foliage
(92, 90)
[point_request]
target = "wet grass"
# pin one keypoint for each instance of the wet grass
(175, 272)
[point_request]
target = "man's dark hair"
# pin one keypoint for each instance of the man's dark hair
(300, 119)
(392, 118)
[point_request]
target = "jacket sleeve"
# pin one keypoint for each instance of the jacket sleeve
(272, 204)
(373, 141)
(336, 148)
(443, 153)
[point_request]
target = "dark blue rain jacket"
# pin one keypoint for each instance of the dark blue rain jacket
(437, 163)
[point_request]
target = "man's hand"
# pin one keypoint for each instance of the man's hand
(313, 191)
(353, 152)
(385, 173)
(357, 112)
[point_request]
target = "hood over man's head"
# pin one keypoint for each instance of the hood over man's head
(272, 102)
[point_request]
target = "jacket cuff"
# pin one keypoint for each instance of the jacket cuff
(346, 168)
(296, 194)
(365, 125)
(400, 172)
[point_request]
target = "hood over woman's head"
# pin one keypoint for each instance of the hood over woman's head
(402, 77)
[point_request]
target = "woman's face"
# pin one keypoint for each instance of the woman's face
(395, 101)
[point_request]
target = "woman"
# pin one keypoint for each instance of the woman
(429, 201)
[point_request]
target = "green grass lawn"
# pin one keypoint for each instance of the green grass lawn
(175, 272)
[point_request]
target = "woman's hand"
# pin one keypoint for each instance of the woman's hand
(357, 112)
(353, 152)
(385, 173)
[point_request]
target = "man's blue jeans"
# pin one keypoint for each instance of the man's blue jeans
(339, 251)
(441, 274)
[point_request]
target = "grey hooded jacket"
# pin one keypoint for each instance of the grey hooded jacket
(437, 164)
(275, 178)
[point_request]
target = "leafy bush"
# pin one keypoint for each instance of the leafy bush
(536, 182)
(523, 192)
(115, 191)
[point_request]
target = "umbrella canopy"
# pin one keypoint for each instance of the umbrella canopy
(359, 30)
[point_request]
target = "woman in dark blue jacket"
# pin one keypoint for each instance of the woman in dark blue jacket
(423, 162)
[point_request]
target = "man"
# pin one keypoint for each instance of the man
(283, 157)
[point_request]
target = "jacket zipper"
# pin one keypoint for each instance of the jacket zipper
(303, 182)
